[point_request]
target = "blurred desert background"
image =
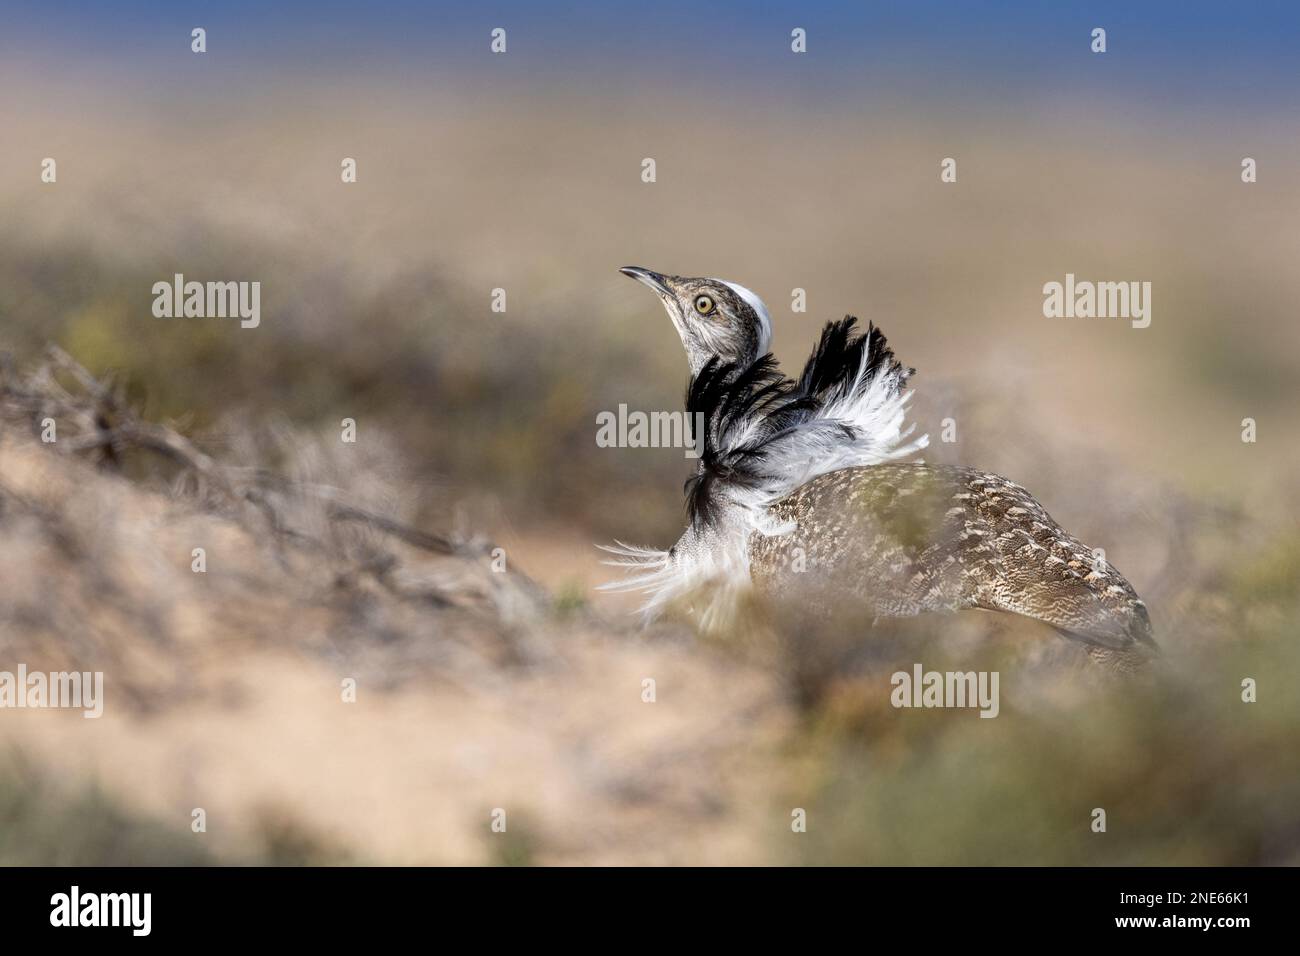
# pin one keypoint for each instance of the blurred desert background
(476, 430)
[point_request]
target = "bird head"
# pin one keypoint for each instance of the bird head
(715, 319)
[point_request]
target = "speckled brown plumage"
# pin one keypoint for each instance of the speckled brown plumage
(909, 537)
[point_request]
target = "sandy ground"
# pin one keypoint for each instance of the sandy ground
(240, 711)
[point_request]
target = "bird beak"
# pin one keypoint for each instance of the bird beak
(653, 279)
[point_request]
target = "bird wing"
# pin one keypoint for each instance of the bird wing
(1016, 558)
(908, 537)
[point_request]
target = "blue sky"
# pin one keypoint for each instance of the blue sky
(1230, 53)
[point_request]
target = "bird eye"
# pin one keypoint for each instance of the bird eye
(703, 304)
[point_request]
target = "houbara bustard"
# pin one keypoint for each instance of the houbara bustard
(802, 492)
